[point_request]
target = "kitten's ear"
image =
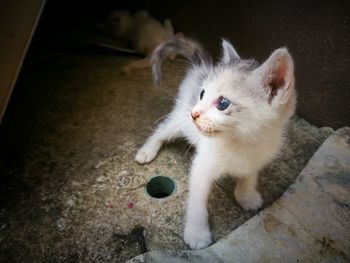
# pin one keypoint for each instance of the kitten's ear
(229, 54)
(277, 76)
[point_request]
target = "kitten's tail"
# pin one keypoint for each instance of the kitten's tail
(186, 47)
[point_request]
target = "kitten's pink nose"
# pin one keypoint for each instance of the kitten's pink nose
(195, 115)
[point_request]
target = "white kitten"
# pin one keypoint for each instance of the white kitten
(235, 113)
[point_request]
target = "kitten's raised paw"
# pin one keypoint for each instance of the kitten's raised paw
(145, 155)
(197, 238)
(249, 201)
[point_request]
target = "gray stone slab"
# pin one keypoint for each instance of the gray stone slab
(309, 223)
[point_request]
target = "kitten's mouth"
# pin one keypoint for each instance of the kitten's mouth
(206, 131)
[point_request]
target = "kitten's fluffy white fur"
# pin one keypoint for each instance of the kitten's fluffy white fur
(238, 140)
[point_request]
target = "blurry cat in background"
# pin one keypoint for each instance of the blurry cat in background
(234, 113)
(141, 31)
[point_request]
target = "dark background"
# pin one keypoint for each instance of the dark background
(316, 33)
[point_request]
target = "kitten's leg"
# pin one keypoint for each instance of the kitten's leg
(197, 233)
(138, 64)
(246, 194)
(166, 131)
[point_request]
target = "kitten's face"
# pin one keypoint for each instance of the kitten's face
(223, 104)
(241, 100)
(119, 21)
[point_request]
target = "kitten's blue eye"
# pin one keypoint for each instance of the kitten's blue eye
(223, 103)
(201, 95)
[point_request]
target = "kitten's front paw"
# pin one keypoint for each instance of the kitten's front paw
(250, 200)
(145, 155)
(197, 237)
(126, 70)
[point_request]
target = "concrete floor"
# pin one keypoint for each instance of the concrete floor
(79, 195)
(309, 223)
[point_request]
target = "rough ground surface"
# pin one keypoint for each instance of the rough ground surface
(309, 223)
(78, 194)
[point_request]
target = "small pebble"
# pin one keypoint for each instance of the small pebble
(60, 224)
(109, 205)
